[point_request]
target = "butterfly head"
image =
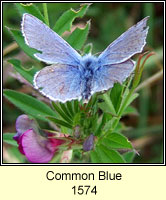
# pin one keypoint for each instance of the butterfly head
(88, 61)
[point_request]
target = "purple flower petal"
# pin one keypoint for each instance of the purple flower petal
(34, 147)
(38, 149)
(20, 145)
(23, 123)
(88, 143)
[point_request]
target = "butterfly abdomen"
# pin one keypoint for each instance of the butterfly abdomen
(87, 77)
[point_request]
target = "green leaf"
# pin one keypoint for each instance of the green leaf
(117, 141)
(129, 156)
(64, 23)
(109, 103)
(31, 9)
(103, 156)
(70, 108)
(127, 100)
(66, 130)
(120, 126)
(104, 107)
(94, 157)
(59, 122)
(76, 106)
(97, 126)
(116, 95)
(108, 125)
(109, 155)
(29, 105)
(20, 41)
(100, 124)
(57, 157)
(77, 119)
(130, 110)
(61, 112)
(28, 74)
(78, 37)
(88, 48)
(92, 102)
(66, 111)
(132, 98)
(8, 138)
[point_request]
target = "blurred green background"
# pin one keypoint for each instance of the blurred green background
(108, 21)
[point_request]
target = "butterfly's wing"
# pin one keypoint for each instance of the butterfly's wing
(125, 46)
(59, 82)
(54, 49)
(107, 75)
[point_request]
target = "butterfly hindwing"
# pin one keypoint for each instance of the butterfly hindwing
(107, 75)
(59, 82)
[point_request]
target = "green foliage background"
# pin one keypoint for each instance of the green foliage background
(108, 21)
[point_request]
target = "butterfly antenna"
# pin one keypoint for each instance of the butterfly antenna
(98, 53)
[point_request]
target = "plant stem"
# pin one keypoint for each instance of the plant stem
(46, 13)
(151, 80)
(10, 48)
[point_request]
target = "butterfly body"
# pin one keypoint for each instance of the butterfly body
(72, 76)
(87, 68)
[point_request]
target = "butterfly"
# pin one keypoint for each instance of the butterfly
(72, 76)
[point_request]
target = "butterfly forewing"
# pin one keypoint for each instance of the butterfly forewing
(127, 45)
(53, 48)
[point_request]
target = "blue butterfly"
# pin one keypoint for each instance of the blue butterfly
(72, 76)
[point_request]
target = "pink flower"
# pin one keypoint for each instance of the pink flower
(36, 148)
